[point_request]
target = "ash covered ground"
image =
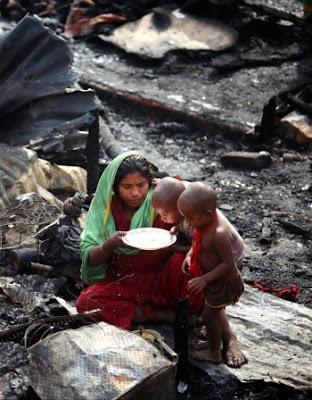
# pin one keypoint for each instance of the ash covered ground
(271, 207)
(258, 202)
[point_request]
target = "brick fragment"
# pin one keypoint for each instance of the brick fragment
(245, 159)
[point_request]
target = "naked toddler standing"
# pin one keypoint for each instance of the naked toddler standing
(212, 262)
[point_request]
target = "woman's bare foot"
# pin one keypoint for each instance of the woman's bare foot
(234, 357)
(199, 345)
(207, 355)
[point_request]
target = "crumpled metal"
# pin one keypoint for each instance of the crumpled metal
(36, 79)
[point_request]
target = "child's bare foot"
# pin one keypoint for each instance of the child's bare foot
(207, 355)
(234, 357)
(201, 332)
(199, 345)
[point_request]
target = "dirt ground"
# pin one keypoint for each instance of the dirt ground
(271, 207)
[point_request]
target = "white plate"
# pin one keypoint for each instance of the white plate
(149, 238)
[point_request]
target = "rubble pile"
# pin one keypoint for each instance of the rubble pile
(235, 113)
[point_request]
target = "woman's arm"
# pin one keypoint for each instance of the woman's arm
(101, 253)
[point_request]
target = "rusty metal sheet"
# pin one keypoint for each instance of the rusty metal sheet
(34, 63)
(50, 114)
(157, 33)
(100, 361)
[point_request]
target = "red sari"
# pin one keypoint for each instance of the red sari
(149, 280)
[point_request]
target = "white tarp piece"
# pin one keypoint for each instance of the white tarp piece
(155, 34)
(98, 361)
(276, 336)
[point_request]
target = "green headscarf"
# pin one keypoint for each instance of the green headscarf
(100, 224)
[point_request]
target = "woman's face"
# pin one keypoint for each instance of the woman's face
(133, 189)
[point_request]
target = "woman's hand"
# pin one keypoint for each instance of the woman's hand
(115, 240)
(175, 230)
(101, 253)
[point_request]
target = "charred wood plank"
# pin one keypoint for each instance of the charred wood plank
(268, 120)
(280, 9)
(294, 101)
(292, 227)
(109, 143)
(246, 159)
(92, 151)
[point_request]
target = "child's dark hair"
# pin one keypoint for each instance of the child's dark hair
(130, 165)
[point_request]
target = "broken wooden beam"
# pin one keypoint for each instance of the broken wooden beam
(246, 159)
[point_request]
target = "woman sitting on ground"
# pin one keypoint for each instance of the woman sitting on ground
(125, 283)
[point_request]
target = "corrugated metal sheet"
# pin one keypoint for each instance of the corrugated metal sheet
(36, 76)
(275, 334)
(100, 361)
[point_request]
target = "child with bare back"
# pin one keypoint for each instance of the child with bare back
(164, 200)
(212, 266)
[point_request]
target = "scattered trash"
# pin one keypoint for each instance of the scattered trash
(287, 292)
(60, 248)
(21, 221)
(17, 334)
(73, 205)
(22, 258)
(69, 308)
(24, 296)
(222, 115)
(182, 387)
(80, 22)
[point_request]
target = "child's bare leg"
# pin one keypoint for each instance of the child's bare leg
(211, 352)
(234, 357)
